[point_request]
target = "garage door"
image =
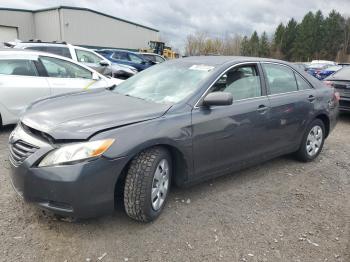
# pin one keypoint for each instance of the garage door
(7, 33)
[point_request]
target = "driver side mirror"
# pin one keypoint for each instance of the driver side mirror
(218, 99)
(95, 76)
(104, 63)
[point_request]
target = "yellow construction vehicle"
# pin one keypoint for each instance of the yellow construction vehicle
(159, 48)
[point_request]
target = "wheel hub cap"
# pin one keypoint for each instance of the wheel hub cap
(160, 184)
(314, 141)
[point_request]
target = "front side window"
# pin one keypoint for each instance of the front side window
(135, 59)
(165, 83)
(17, 67)
(242, 82)
(84, 56)
(120, 56)
(63, 69)
(280, 79)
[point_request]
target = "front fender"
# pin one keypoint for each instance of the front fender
(172, 131)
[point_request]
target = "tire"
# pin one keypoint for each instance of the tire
(307, 151)
(147, 173)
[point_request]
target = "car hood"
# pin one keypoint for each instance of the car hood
(79, 116)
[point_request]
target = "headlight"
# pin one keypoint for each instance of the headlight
(76, 152)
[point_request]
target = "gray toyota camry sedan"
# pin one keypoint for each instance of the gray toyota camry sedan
(177, 123)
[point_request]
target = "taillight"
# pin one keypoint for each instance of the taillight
(336, 96)
(328, 83)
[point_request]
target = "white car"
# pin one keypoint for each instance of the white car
(83, 55)
(26, 76)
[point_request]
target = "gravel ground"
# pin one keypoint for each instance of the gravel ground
(282, 210)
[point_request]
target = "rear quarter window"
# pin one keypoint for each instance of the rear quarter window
(17, 67)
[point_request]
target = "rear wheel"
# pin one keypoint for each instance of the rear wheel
(312, 143)
(147, 184)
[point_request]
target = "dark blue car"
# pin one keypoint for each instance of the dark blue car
(328, 71)
(126, 58)
(314, 69)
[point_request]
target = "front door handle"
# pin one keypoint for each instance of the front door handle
(262, 109)
(311, 98)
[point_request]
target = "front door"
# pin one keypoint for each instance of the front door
(231, 136)
(64, 76)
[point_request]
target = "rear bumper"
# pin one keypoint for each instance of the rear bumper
(82, 190)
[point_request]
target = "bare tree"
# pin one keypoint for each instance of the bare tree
(201, 44)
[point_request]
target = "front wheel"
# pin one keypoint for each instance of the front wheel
(312, 143)
(147, 184)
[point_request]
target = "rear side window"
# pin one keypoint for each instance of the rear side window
(280, 79)
(150, 57)
(57, 50)
(302, 84)
(17, 67)
(64, 69)
(135, 59)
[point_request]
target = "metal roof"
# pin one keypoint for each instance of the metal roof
(77, 8)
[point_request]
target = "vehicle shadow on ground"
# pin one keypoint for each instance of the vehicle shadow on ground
(344, 117)
(6, 129)
(179, 196)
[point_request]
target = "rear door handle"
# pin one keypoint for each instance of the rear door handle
(311, 98)
(262, 109)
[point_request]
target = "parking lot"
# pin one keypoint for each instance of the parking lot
(282, 210)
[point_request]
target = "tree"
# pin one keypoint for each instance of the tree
(245, 47)
(288, 40)
(264, 46)
(277, 42)
(316, 37)
(334, 26)
(254, 44)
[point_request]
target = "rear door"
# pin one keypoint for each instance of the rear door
(64, 76)
(233, 135)
(20, 84)
(292, 101)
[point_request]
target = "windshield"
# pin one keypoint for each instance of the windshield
(343, 74)
(166, 83)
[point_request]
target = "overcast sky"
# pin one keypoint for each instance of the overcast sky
(177, 18)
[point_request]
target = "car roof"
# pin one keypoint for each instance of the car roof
(13, 53)
(24, 44)
(117, 50)
(220, 60)
(145, 53)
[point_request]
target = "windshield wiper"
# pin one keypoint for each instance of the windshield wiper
(135, 97)
(112, 87)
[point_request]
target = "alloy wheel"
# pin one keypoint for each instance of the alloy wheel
(160, 184)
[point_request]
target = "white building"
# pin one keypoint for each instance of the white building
(79, 26)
